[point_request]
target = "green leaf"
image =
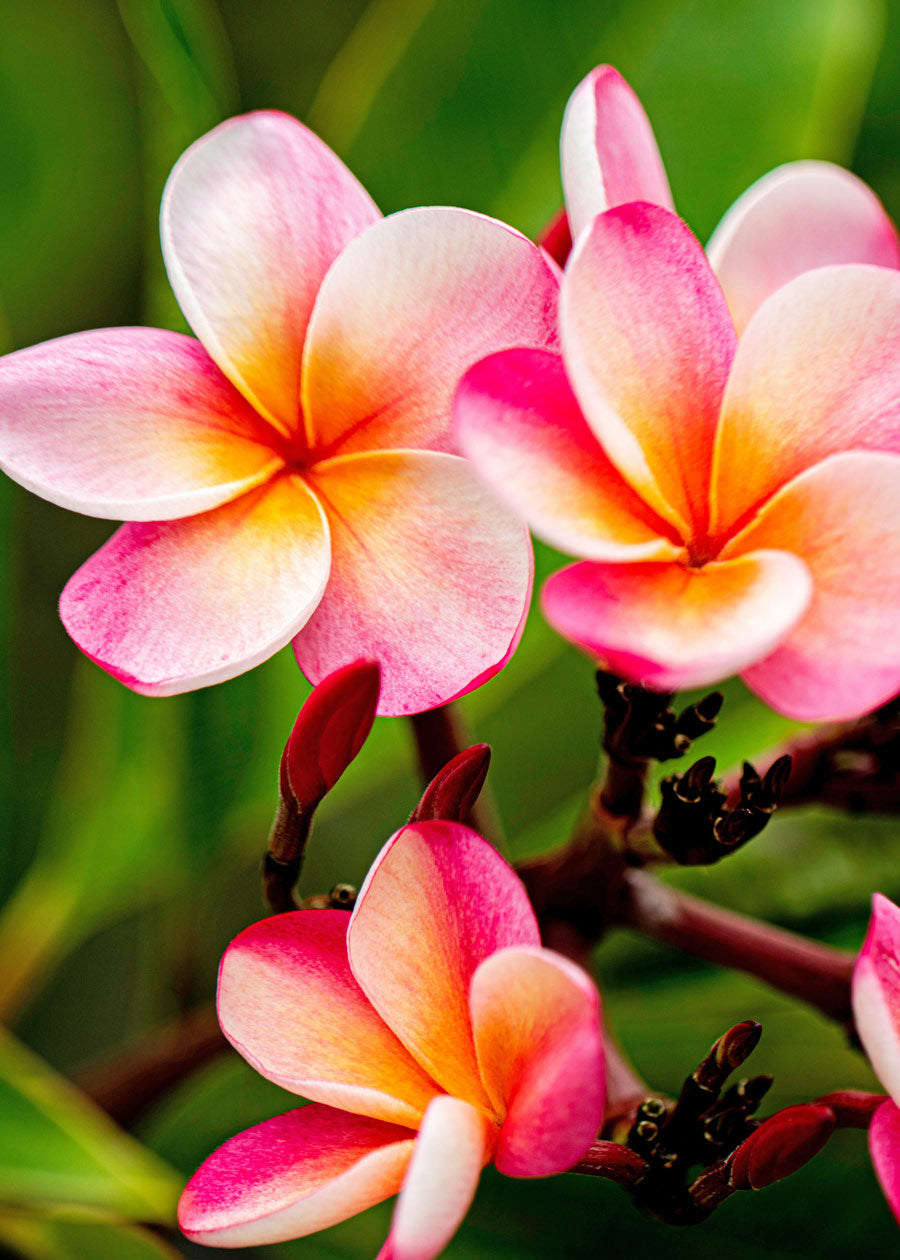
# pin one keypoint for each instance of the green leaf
(56, 1238)
(57, 1148)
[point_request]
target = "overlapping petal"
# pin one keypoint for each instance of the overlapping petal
(884, 1145)
(817, 372)
(536, 1021)
(648, 343)
(800, 216)
(253, 215)
(293, 1175)
(608, 149)
(128, 423)
(288, 1001)
(454, 1143)
(842, 517)
(519, 423)
(430, 576)
(169, 606)
(876, 993)
(405, 310)
(437, 902)
(668, 626)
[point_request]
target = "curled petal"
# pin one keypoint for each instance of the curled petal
(884, 1144)
(405, 310)
(289, 1003)
(797, 217)
(253, 215)
(876, 993)
(536, 1019)
(517, 420)
(648, 343)
(609, 152)
(669, 627)
(133, 424)
(168, 607)
(437, 901)
(293, 1175)
(430, 576)
(453, 1145)
(816, 372)
(842, 518)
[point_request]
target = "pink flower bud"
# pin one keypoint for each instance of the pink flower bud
(782, 1144)
(454, 790)
(330, 729)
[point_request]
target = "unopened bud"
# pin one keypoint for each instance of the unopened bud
(454, 790)
(330, 730)
(782, 1144)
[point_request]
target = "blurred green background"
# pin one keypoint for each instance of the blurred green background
(134, 827)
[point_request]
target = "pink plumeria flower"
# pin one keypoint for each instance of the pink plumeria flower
(800, 216)
(876, 1011)
(289, 475)
(737, 505)
(434, 1036)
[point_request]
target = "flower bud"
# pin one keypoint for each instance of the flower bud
(783, 1143)
(454, 790)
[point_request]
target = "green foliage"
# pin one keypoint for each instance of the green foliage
(135, 826)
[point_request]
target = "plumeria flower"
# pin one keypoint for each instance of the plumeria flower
(876, 1011)
(289, 475)
(736, 504)
(799, 216)
(433, 1035)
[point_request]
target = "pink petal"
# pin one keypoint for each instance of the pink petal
(405, 310)
(168, 607)
(536, 1019)
(437, 902)
(609, 152)
(884, 1144)
(289, 1003)
(817, 372)
(453, 1146)
(648, 342)
(518, 422)
(430, 576)
(253, 215)
(667, 626)
(799, 216)
(842, 518)
(876, 993)
(293, 1175)
(129, 423)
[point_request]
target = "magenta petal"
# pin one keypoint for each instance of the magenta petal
(253, 215)
(536, 1019)
(884, 1145)
(430, 576)
(519, 423)
(133, 424)
(876, 993)
(293, 1175)
(799, 216)
(609, 152)
(167, 607)
(437, 902)
(669, 627)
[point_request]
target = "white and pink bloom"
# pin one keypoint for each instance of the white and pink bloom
(433, 1035)
(799, 216)
(737, 503)
(289, 475)
(876, 1011)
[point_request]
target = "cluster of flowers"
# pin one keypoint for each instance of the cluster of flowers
(345, 458)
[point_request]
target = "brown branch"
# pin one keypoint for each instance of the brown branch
(818, 974)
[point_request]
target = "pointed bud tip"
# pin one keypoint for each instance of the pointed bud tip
(330, 729)
(735, 1046)
(453, 791)
(781, 1145)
